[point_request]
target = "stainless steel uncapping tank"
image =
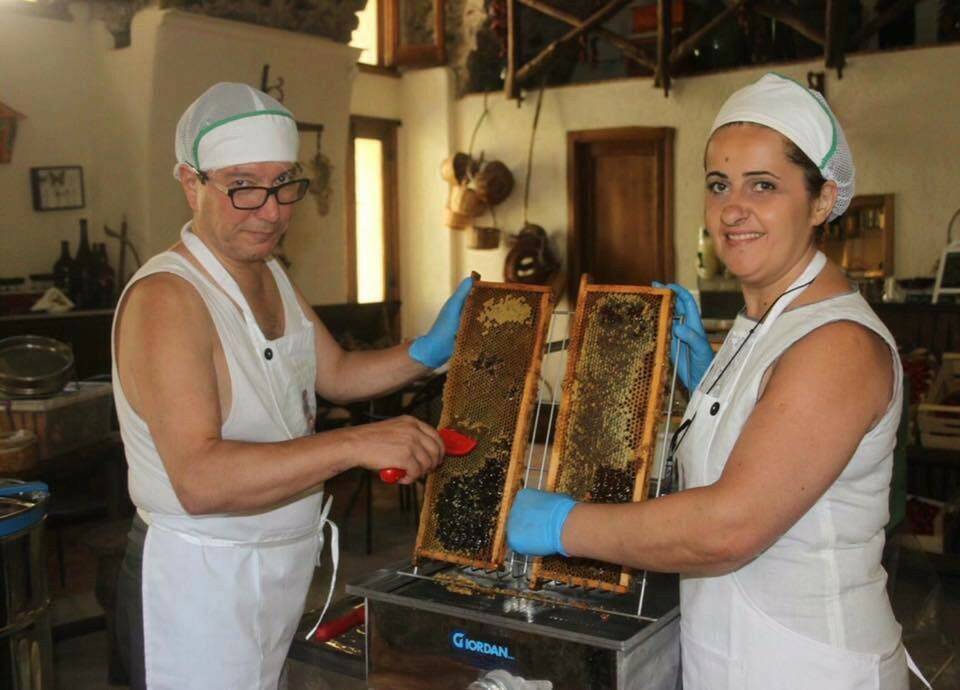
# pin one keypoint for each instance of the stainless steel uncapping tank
(26, 649)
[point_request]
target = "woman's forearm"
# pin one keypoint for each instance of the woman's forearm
(691, 531)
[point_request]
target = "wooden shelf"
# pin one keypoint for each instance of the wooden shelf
(861, 240)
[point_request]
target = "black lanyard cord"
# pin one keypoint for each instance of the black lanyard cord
(757, 325)
(681, 432)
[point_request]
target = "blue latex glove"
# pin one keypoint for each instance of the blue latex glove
(697, 355)
(435, 348)
(536, 522)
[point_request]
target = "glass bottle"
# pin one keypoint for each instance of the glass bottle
(62, 268)
(106, 278)
(84, 272)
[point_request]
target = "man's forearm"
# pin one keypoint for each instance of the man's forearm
(234, 476)
(366, 374)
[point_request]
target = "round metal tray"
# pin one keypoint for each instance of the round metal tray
(32, 365)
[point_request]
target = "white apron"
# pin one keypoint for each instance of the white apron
(223, 594)
(729, 642)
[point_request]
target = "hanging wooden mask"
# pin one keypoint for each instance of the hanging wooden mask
(531, 260)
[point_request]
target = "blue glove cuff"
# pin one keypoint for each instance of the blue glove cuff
(558, 516)
(422, 351)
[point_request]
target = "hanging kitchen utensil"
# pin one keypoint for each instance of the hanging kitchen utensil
(31, 365)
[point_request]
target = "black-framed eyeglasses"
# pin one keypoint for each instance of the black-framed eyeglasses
(252, 198)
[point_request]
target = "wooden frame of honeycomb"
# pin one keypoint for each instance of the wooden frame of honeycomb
(606, 427)
(490, 395)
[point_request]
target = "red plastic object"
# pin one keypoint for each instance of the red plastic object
(392, 475)
(455, 444)
(335, 628)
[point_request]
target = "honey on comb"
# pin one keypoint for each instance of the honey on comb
(612, 394)
(489, 395)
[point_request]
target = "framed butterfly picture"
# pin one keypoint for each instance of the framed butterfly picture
(57, 188)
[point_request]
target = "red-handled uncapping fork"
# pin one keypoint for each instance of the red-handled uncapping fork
(335, 628)
(455, 445)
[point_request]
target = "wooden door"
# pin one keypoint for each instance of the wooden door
(621, 205)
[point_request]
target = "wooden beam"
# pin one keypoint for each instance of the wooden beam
(834, 52)
(687, 46)
(664, 34)
(511, 88)
(790, 17)
(547, 54)
(881, 20)
(626, 47)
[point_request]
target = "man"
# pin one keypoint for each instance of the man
(216, 360)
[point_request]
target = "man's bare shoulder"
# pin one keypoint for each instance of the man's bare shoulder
(161, 290)
(164, 301)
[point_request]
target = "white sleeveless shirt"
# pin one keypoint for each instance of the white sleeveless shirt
(253, 416)
(222, 594)
(821, 582)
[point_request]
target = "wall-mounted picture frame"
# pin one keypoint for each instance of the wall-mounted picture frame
(414, 33)
(57, 188)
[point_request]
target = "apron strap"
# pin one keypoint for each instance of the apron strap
(335, 555)
(915, 670)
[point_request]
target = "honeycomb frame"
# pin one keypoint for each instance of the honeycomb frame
(465, 388)
(563, 470)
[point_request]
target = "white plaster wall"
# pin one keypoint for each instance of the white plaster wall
(428, 268)
(898, 110)
(115, 112)
(48, 74)
(192, 53)
(377, 95)
(122, 133)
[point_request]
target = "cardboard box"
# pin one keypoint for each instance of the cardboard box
(937, 535)
(937, 418)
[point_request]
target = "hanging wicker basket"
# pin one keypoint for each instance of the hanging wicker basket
(493, 183)
(483, 237)
(458, 168)
(465, 200)
(454, 220)
(18, 451)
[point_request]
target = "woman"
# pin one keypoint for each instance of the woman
(785, 453)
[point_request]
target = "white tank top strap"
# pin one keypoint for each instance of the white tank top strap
(255, 413)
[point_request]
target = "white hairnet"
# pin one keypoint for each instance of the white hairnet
(802, 116)
(233, 124)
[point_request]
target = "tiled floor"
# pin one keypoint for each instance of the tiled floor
(927, 603)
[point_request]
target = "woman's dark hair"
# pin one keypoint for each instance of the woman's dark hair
(811, 173)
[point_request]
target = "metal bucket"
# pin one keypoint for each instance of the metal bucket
(26, 648)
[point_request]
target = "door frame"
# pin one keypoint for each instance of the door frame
(578, 201)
